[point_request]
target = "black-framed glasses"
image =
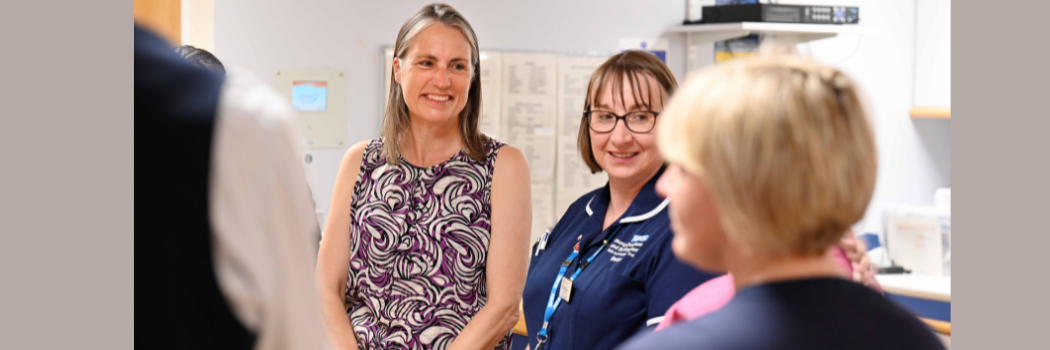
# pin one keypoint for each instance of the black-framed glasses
(638, 121)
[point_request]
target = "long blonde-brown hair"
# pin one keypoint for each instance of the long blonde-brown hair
(396, 118)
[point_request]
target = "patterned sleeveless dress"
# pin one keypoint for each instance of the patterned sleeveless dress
(419, 240)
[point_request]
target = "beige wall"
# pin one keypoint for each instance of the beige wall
(198, 24)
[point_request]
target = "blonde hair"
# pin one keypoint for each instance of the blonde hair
(396, 118)
(785, 146)
(633, 66)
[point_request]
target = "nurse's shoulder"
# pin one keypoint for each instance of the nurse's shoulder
(570, 218)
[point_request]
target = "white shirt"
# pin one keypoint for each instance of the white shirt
(262, 217)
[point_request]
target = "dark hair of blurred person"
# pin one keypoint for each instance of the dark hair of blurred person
(200, 57)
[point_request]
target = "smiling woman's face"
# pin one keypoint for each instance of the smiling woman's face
(624, 154)
(435, 73)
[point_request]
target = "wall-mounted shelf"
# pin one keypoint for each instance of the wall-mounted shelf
(800, 32)
(931, 113)
(788, 33)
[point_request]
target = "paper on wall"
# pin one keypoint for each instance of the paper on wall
(491, 84)
(529, 104)
(542, 220)
(573, 178)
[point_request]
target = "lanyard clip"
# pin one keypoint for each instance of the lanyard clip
(540, 339)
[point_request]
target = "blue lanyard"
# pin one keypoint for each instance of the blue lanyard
(554, 301)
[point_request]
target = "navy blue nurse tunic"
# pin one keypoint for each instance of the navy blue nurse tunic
(625, 290)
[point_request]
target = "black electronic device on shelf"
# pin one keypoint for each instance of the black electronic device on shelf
(812, 14)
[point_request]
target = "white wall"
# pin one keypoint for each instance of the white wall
(933, 83)
(266, 35)
(914, 156)
(198, 24)
(933, 56)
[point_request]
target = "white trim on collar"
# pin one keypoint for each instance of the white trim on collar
(589, 211)
(654, 320)
(645, 216)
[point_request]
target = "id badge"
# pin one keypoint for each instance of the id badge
(565, 291)
(543, 243)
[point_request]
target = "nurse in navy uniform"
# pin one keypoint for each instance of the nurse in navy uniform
(606, 271)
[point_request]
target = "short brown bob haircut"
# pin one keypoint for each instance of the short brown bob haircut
(634, 66)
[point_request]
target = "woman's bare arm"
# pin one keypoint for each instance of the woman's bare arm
(333, 259)
(507, 261)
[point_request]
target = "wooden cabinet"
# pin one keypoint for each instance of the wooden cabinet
(163, 17)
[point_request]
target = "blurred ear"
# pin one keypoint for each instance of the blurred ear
(397, 70)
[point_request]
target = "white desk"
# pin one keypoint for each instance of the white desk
(929, 287)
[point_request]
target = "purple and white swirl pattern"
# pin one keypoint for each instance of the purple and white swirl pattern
(419, 240)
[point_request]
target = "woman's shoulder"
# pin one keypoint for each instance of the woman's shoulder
(512, 156)
(373, 144)
(364, 153)
(364, 147)
(490, 140)
(492, 146)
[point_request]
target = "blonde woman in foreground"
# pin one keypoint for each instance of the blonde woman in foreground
(771, 160)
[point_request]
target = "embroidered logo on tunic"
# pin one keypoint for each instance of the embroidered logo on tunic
(618, 249)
